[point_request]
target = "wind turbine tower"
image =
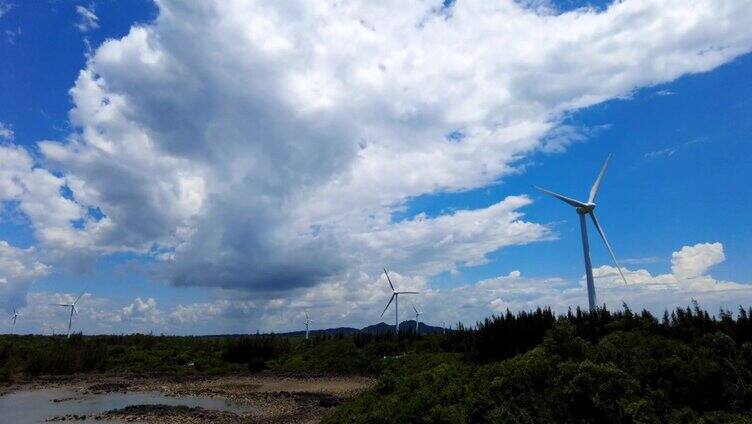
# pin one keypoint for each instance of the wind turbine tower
(73, 310)
(307, 322)
(417, 320)
(395, 298)
(583, 209)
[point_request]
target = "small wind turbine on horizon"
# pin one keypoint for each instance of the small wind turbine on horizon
(589, 209)
(73, 310)
(443, 327)
(15, 317)
(417, 319)
(307, 322)
(395, 298)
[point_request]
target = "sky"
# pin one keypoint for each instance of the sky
(224, 166)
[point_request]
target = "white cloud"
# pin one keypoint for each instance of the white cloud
(4, 8)
(358, 300)
(18, 268)
(143, 311)
(41, 315)
(197, 312)
(6, 133)
(87, 19)
(689, 279)
(694, 261)
(266, 146)
(664, 93)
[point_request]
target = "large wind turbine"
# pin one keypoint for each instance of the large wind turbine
(73, 310)
(589, 209)
(417, 318)
(15, 317)
(307, 322)
(395, 298)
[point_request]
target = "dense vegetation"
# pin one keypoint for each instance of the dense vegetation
(687, 366)
(600, 368)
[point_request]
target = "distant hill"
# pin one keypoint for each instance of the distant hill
(405, 326)
(382, 327)
(338, 330)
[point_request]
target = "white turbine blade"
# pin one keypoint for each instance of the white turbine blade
(60, 304)
(389, 279)
(597, 183)
(575, 203)
(306, 315)
(414, 309)
(79, 296)
(407, 292)
(608, 246)
(387, 305)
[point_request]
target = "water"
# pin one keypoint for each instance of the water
(34, 406)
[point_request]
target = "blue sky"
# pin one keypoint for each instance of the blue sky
(679, 175)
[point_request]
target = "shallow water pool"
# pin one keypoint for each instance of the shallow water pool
(35, 406)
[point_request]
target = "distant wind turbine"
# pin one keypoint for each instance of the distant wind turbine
(73, 310)
(443, 327)
(307, 322)
(417, 318)
(15, 317)
(395, 298)
(589, 209)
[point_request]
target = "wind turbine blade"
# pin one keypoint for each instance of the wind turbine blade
(387, 305)
(597, 183)
(414, 309)
(59, 304)
(572, 202)
(408, 293)
(608, 246)
(389, 279)
(79, 296)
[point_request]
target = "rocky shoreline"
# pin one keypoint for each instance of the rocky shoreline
(269, 398)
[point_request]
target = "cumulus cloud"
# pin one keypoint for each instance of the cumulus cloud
(267, 146)
(359, 300)
(6, 133)
(143, 311)
(197, 311)
(689, 279)
(693, 261)
(42, 315)
(87, 20)
(18, 269)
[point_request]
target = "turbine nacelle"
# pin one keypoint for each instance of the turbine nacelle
(586, 208)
